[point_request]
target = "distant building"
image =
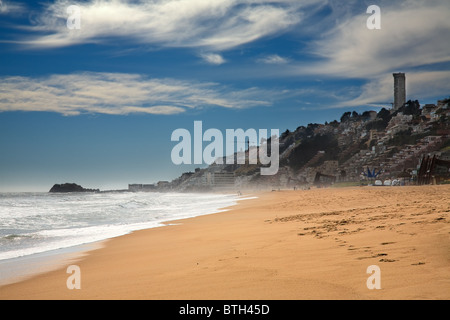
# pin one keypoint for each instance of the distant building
(429, 111)
(163, 184)
(399, 90)
(134, 187)
(141, 187)
(428, 108)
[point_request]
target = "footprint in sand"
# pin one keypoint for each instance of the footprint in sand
(387, 260)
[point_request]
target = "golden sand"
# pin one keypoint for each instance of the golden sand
(313, 244)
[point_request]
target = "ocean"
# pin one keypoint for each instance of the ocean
(33, 224)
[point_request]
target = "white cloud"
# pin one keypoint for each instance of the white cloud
(118, 93)
(413, 33)
(213, 58)
(412, 39)
(213, 25)
(273, 59)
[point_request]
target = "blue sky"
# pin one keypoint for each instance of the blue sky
(97, 105)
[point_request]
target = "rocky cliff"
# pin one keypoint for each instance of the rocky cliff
(70, 187)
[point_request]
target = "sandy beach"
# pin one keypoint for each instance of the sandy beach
(303, 244)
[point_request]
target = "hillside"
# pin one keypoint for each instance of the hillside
(391, 143)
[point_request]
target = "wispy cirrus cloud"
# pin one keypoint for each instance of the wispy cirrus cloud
(412, 39)
(214, 25)
(338, 45)
(413, 33)
(119, 94)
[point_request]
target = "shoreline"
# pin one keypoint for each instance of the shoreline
(17, 269)
(314, 244)
(22, 268)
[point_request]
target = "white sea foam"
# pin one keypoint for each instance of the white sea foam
(39, 222)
